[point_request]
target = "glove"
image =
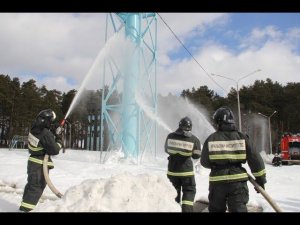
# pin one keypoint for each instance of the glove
(59, 130)
(260, 183)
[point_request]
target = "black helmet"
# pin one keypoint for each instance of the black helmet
(46, 117)
(223, 115)
(185, 124)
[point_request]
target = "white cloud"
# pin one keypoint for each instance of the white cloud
(268, 49)
(184, 25)
(294, 32)
(63, 46)
(260, 35)
(58, 83)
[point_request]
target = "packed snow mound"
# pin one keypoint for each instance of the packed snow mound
(120, 193)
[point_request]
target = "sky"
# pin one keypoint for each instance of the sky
(58, 49)
(119, 185)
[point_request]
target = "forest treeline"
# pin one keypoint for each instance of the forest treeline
(20, 103)
(263, 97)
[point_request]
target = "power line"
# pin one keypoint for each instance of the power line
(190, 53)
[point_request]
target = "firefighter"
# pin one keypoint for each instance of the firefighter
(41, 141)
(277, 161)
(224, 152)
(181, 146)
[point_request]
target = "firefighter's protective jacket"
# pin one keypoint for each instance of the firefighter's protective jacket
(41, 142)
(181, 146)
(225, 151)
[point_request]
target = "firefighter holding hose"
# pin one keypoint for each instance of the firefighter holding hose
(41, 141)
(224, 152)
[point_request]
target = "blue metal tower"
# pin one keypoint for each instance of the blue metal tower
(133, 90)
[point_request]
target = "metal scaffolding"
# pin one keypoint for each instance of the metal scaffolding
(132, 91)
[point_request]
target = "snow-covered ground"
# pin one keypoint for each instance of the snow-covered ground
(121, 186)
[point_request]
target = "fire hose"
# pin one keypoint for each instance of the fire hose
(59, 130)
(47, 178)
(264, 194)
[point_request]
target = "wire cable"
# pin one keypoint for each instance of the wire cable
(190, 53)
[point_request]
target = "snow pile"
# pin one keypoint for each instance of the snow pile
(120, 193)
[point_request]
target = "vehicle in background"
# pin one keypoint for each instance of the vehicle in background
(290, 148)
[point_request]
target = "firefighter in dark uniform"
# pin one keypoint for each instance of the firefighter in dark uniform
(224, 152)
(181, 145)
(277, 161)
(41, 141)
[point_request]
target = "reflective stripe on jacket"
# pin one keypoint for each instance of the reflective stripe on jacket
(39, 161)
(41, 143)
(181, 149)
(224, 152)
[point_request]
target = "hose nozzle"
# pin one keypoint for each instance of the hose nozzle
(62, 123)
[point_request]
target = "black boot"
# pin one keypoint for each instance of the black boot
(187, 208)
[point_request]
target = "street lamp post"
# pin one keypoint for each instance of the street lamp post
(269, 121)
(237, 92)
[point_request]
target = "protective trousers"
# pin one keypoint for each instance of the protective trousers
(235, 195)
(188, 186)
(34, 188)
